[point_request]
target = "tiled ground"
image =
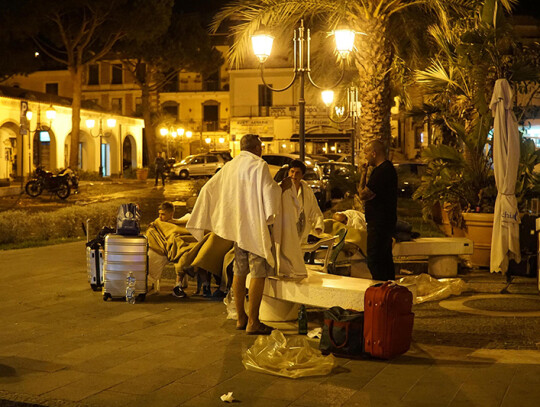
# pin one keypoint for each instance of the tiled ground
(62, 345)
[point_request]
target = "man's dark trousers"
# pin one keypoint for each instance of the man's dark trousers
(379, 252)
(162, 174)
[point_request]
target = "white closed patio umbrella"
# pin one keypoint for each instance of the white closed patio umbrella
(505, 238)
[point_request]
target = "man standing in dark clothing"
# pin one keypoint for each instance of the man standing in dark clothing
(160, 165)
(380, 196)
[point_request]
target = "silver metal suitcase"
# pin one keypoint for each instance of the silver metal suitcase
(122, 255)
(94, 267)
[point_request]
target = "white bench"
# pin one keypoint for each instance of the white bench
(442, 252)
(281, 297)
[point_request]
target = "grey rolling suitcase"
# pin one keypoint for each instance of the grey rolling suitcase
(122, 255)
(94, 267)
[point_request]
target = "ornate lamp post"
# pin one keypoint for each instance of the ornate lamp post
(262, 47)
(90, 124)
(174, 132)
(351, 110)
(50, 114)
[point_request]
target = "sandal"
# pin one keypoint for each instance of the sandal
(262, 330)
(241, 327)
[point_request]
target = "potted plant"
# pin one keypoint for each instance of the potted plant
(471, 55)
(142, 174)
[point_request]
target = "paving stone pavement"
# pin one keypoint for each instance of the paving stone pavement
(61, 345)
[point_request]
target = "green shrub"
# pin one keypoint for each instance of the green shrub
(89, 175)
(18, 226)
(130, 173)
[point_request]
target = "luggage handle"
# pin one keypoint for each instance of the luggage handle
(331, 335)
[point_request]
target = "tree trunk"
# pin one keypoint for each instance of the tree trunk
(76, 79)
(149, 129)
(374, 63)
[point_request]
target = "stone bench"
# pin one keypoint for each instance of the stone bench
(442, 252)
(281, 297)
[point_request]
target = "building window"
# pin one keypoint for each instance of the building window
(51, 88)
(138, 106)
(93, 74)
(170, 109)
(265, 100)
(211, 116)
(117, 74)
(211, 82)
(418, 137)
(80, 156)
(116, 105)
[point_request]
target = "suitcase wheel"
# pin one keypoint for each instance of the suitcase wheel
(141, 297)
(95, 287)
(106, 296)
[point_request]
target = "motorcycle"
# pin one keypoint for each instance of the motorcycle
(46, 180)
(73, 179)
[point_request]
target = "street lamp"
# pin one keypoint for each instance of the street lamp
(50, 114)
(90, 124)
(262, 47)
(350, 110)
(174, 132)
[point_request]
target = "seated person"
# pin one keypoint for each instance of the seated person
(168, 240)
(352, 218)
(357, 220)
(311, 217)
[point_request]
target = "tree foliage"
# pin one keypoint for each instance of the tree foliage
(75, 33)
(184, 45)
(472, 53)
(375, 55)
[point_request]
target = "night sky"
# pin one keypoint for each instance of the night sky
(528, 7)
(209, 7)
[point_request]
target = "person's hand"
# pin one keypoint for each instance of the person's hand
(286, 184)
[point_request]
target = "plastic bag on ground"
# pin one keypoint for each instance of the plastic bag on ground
(291, 357)
(231, 306)
(431, 289)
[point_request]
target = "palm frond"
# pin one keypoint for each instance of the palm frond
(280, 16)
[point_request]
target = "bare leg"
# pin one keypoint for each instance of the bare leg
(256, 288)
(180, 277)
(239, 291)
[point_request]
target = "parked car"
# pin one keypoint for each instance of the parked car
(314, 179)
(225, 154)
(199, 165)
(342, 178)
(335, 157)
(409, 177)
(277, 161)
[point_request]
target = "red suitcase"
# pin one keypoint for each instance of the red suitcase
(388, 320)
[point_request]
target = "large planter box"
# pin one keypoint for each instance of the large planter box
(142, 174)
(479, 228)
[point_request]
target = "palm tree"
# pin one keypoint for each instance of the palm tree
(375, 55)
(473, 53)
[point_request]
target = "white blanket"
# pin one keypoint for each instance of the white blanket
(314, 216)
(290, 260)
(238, 204)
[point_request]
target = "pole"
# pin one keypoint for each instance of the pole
(121, 148)
(100, 152)
(302, 108)
(21, 154)
(353, 131)
(302, 100)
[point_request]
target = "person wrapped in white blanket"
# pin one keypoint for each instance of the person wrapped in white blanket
(310, 220)
(239, 204)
